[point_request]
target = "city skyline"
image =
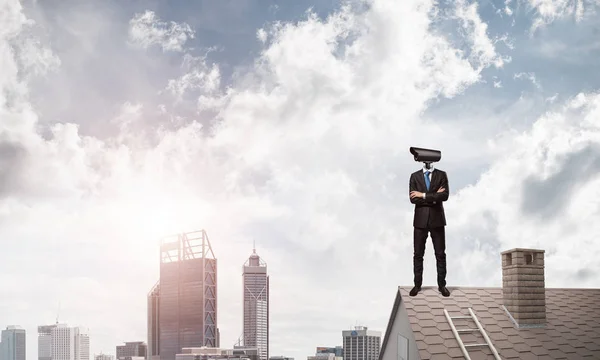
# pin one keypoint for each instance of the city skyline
(61, 342)
(56, 338)
(288, 123)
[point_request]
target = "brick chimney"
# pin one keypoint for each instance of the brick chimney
(523, 288)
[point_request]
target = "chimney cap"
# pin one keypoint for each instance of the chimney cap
(523, 250)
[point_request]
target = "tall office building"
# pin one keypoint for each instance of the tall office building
(13, 343)
(361, 344)
(256, 305)
(182, 306)
(60, 342)
(153, 331)
(132, 349)
(45, 342)
(82, 345)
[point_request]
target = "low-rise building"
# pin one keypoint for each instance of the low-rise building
(281, 358)
(322, 356)
(104, 357)
(210, 353)
(132, 349)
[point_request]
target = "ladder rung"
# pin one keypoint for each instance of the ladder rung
(467, 330)
(480, 328)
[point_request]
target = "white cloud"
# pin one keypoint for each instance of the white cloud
(146, 30)
(509, 42)
(36, 60)
(527, 207)
(529, 76)
(30, 58)
(199, 76)
(482, 47)
(549, 11)
(261, 35)
(274, 8)
(552, 98)
(507, 10)
(308, 155)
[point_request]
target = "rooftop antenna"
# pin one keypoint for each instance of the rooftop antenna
(254, 246)
(57, 313)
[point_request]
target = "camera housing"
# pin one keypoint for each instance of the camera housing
(426, 156)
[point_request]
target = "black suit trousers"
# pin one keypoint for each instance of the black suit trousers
(438, 236)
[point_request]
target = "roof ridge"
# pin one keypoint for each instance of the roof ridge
(490, 287)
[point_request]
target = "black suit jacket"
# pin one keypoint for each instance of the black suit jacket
(429, 212)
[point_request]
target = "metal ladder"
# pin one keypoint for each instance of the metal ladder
(457, 332)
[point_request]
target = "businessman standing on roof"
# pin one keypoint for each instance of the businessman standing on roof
(428, 190)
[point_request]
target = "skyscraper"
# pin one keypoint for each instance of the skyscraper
(182, 306)
(60, 342)
(82, 345)
(153, 331)
(12, 343)
(45, 342)
(361, 344)
(256, 305)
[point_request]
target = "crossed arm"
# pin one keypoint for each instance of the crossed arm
(441, 194)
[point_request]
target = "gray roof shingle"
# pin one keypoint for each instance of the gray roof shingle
(572, 330)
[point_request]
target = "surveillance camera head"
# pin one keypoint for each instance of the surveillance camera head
(426, 155)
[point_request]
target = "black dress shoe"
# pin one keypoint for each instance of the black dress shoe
(415, 291)
(444, 291)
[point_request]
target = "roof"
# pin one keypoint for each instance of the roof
(572, 329)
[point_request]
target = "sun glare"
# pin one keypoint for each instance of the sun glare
(150, 213)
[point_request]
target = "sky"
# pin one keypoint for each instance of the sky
(288, 124)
